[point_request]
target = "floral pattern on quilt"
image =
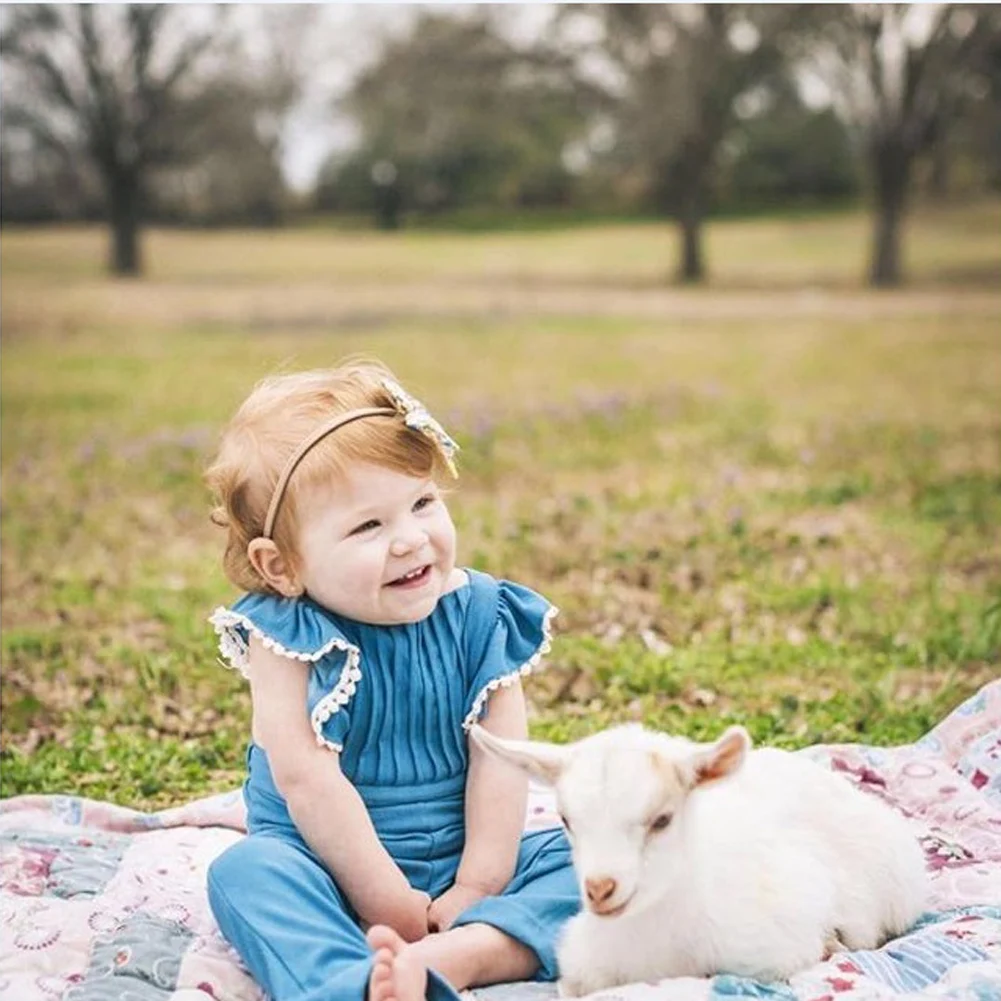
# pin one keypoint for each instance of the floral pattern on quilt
(102, 903)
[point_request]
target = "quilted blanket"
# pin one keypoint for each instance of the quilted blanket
(102, 903)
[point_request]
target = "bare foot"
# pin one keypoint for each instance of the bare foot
(397, 974)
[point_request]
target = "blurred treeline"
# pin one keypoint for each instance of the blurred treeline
(180, 115)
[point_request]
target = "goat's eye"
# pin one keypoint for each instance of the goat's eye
(660, 822)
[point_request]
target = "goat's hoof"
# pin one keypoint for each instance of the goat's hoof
(832, 945)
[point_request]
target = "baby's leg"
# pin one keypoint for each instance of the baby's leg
(541, 897)
(475, 955)
(500, 939)
(471, 956)
(282, 912)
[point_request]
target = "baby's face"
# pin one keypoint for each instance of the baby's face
(377, 546)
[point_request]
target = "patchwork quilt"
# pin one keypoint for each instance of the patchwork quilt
(102, 903)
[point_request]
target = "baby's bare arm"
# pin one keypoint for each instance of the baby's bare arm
(324, 805)
(496, 797)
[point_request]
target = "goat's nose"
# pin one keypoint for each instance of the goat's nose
(599, 890)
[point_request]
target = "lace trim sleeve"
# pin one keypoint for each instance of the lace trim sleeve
(507, 679)
(232, 628)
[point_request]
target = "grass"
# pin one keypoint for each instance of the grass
(773, 501)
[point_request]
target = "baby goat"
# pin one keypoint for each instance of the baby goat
(695, 859)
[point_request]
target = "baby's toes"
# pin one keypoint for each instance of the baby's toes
(410, 978)
(381, 983)
(383, 937)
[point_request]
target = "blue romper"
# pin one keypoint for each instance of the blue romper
(396, 703)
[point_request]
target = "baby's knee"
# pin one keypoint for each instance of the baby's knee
(238, 870)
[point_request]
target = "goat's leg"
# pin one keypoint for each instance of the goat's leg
(584, 958)
(832, 945)
(590, 956)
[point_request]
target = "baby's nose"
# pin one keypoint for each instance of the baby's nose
(407, 542)
(600, 889)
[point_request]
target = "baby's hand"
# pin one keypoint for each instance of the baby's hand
(418, 909)
(450, 905)
(409, 919)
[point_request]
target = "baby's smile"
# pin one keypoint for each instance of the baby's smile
(415, 578)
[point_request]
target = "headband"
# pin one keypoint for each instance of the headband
(414, 414)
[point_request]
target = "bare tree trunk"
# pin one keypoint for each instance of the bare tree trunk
(938, 179)
(693, 170)
(892, 167)
(691, 268)
(124, 217)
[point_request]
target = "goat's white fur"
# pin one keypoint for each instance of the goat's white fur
(767, 863)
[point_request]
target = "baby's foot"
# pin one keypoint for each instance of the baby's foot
(397, 974)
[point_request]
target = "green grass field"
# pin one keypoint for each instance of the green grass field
(775, 500)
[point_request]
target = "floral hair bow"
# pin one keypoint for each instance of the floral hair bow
(416, 416)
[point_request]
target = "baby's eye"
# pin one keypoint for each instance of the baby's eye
(425, 501)
(365, 526)
(565, 822)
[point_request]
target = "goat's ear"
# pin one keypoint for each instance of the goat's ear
(542, 761)
(721, 758)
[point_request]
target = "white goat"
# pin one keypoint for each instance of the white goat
(695, 859)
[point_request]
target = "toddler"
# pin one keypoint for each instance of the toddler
(385, 856)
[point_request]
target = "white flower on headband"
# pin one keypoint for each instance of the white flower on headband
(416, 416)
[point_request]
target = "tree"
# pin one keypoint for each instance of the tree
(39, 183)
(897, 71)
(982, 124)
(235, 175)
(453, 115)
(783, 152)
(113, 82)
(677, 72)
(238, 127)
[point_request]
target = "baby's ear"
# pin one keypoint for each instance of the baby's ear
(719, 759)
(272, 567)
(545, 762)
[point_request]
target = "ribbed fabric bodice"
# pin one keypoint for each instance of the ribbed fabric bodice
(394, 701)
